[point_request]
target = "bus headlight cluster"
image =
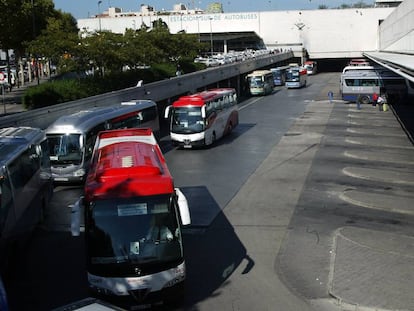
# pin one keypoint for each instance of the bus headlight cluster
(79, 173)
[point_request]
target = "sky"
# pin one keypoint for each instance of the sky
(85, 8)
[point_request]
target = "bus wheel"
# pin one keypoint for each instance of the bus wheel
(365, 99)
(213, 138)
(229, 128)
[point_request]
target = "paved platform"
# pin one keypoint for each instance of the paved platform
(372, 269)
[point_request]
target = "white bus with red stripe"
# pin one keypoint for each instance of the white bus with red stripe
(202, 118)
(296, 77)
(133, 218)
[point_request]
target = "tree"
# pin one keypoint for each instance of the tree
(21, 21)
(103, 50)
(322, 7)
(58, 41)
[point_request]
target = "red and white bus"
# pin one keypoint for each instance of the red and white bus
(311, 67)
(199, 119)
(296, 77)
(133, 218)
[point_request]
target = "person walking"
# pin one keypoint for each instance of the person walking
(374, 99)
(358, 101)
(330, 96)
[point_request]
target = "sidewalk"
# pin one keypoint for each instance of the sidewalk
(11, 102)
(373, 269)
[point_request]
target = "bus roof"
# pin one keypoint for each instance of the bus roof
(15, 140)
(199, 99)
(259, 73)
(280, 68)
(127, 163)
(369, 73)
(84, 120)
(301, 70)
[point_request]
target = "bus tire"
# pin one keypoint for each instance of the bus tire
(229, 128)
(365, 99)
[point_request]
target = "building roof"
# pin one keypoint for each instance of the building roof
(402, 64)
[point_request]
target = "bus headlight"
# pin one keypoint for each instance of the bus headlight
(79, 173)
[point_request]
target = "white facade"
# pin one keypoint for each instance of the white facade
(397, 32)
(330, 33)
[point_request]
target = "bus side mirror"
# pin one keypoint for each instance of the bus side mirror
(75, 216)
(183, 207)
(203, 112)
(167, 112)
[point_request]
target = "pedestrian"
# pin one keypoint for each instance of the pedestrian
(330, 96)
(381, 101)
(374, 99)
(358, 101)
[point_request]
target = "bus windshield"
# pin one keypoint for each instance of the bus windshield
(65, 149)
(256, 81)
(139, 230)
(187, 120)
(292, 75)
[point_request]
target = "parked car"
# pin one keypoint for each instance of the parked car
(211, 62)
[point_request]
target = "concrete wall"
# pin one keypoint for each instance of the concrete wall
(397, 31)
(324, 33)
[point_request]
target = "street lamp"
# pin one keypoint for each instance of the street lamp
(99, 14)
(211, 37)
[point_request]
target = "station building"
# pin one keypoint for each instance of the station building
(323, 34)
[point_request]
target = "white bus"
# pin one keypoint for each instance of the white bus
(199, 119)
(296, 77)
(26, 187)
(71, 138)
(311, 67)
(368, 82)
(260, 82)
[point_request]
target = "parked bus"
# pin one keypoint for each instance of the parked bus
(359, 62)
(358, 68)
(133, 217)
(71, 138)
(296, 77)
(279, 75)
(311, 67)
(202, 118)
(26, 187)
(260, 82)
(368, 82)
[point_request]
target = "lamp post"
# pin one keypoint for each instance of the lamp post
(211, 37)
(34, 36)
(99, 14)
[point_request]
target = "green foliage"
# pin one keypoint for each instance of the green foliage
(63, 90)
(21, 21)
(116, 59)
(52, 93)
